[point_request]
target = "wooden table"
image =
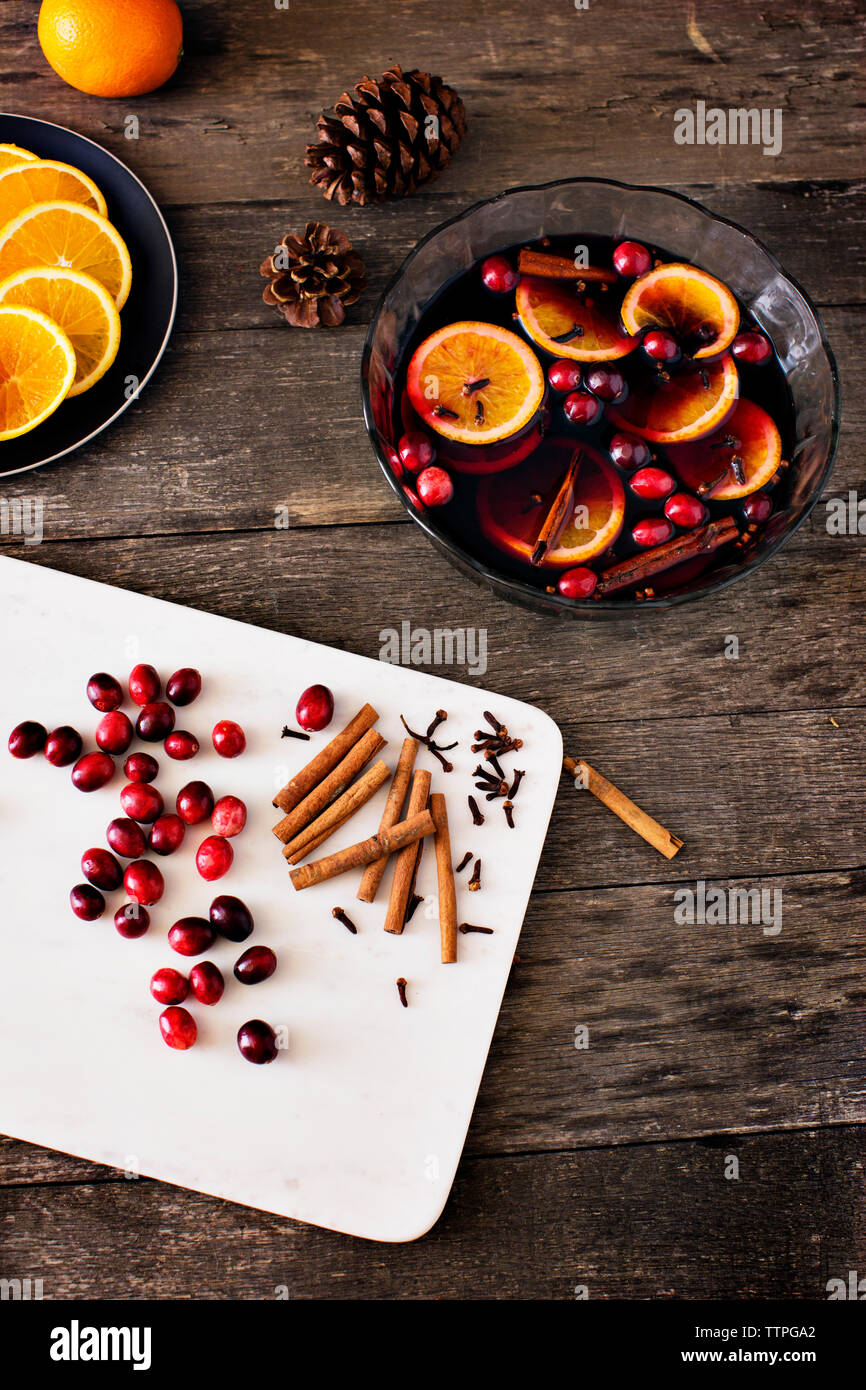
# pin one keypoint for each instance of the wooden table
(603, 1167)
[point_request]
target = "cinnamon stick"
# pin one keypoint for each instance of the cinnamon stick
(373, 873)
(616, 801)
(404, 866)
(549, 267)
(662, 557)
(406, 832)
(555, 519)
(342, 776)
(338, 812)
(325, 760)
(445, 878)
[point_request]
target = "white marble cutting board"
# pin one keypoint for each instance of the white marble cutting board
(358, 1126)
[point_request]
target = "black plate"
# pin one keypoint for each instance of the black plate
(146, 318)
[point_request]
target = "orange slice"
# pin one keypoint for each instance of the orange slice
(81, 307)
(37, 366)
(45, 181)
(442, 382)
(511, 519)
(71, 236)
(688, 301)
(13, 154)
(552, 313)
(748, 434)
(691, 404)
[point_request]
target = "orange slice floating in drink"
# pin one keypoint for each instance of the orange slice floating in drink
(567, 323)
(698, 309)
(690, 404)
(511, 515)
(748, 446)
(475, 383)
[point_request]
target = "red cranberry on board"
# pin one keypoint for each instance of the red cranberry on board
(229, 739)
(132, 920)
(315, 708)
(141, 802)
(231, 917)
(213, 858)
(184, 686)
(752, 348)
(606, 383)
(583, 409)
(631, 259)
(101, 869)
(181, 745)
(628, 452)
(206, 982)
(63, 746)
(141, 767)
(661, 346)
(114, 732)
(434, 487)
(191, 936)
(257, 1041)
(415, 451)
(143, 882)
(104, 692)
(126, 838)
(178, 1028)
(229, 816)
(168, 986)
(256, 964)
(27, 739)
(93, 771)
(86, 902)
(144, 684)
(194, 803)
(577, 583)
(652, 484)
(166, 834)
(757, 507)
(498, 274)
(155, 721)
(685, 510)
(652, 530)
(564, 375)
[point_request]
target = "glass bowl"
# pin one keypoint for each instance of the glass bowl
(603, 207)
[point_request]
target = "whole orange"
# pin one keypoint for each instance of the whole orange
(112, 48)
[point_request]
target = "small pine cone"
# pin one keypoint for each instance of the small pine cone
(313, 278)
(395, 133)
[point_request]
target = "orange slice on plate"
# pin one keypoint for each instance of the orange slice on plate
(709, 465)
(81, 307)
(567, 324)
(37, 367)
(690, 404)
(45, 181)
(13, 154)
(511, 518)
(71, 236)
(475, 383)
(694, 305)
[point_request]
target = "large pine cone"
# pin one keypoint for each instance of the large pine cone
(393, 134)
(314, 277)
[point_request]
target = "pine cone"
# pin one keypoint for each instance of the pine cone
(314, 277)
(394, 134)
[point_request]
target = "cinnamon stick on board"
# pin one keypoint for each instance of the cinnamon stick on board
(405, 833)
(373, 873)
(445, 877)
(616, 801)
(556, 517)
(338, 812)
(333, 786)
(404, 867)
(550, 267)
(325, 760)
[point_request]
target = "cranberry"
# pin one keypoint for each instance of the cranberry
(141, 767)
(141, 802)
(257, 1041)
(101, 869)
(92, 771)
(207, 982)
(582, 409)
(155, 721)
(144, 684)
(661, 346)
(166, 834)
(213, 858)
(631, 259)
(413, 498)
(191, 936)
(168, 986)
(498, 274)
(564, 375)
(577, 583)
(652, 530)
(607, 384)
(628, 452)
(143, 882)
(126, 838)
(231, 918)
(104, 692)
(435, 487)
(229, 739)
(27, 739)
(63, 746)
(86, 902)
(229, 816)
(132, 920)
(757, 507)
(415, 451)
(652, 484)
(184, 686)
(256, 964)
(194, 803)
(315, 708)
(114, 732)
(684, 510)
(181, 745)
(752, 348)
(178, 1028)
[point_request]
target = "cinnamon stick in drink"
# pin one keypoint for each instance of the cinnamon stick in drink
(445, 877)
(342, 776)
(338, 812)
(325, 760)
(373, 873)
(407, 832)
(404, 867)
(549, 267)
(554, 522)
(659, 558)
